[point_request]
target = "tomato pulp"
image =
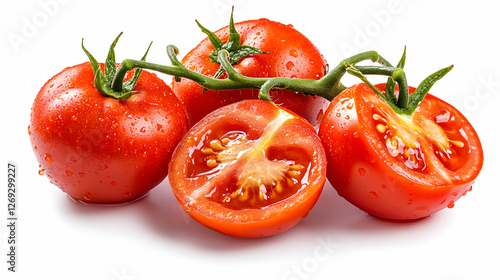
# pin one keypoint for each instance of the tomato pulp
(249, 169)
(395, 166)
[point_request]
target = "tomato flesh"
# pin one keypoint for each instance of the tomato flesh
(239, 168)
(395, 166)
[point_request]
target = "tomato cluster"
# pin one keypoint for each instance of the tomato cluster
(242, 166)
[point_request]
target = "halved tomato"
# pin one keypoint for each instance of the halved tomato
(397, 166)
(249, 169)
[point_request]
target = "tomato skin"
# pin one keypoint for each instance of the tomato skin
(363, 171)
(101, 150)
(291, 55)
(255, 117)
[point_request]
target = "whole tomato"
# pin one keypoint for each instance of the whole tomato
(249, 169)
(286, 53)
(397, 166)
(99, 149)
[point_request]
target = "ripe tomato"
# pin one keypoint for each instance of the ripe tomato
(290, 54)
(249, 169)
(101, 150)
(394, 166)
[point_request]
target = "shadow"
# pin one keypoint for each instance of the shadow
(332, 214)
(160, 213)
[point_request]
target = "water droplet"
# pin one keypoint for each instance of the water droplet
(338, 115)
(451, 204)
(362, 171)
(68, 173)
(373, 194)
(127, 194)
(384, 186)
(48, 158)
(74, 118)
(87, 196)
(143, 129)
(159, 127)
(289, 65)
(40, 172)
(294, 53)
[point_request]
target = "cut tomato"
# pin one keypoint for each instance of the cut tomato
(250, 169)
(397, 166)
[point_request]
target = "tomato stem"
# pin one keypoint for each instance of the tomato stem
(327, 87)
(103, 81)
(389, 88)
(233, 45)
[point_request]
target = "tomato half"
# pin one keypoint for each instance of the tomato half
(291, 54)
(101, 150)
(398, 167)
(249, 169)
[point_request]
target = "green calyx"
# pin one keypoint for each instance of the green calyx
(404, 104)
(103, 81)
(232, 46)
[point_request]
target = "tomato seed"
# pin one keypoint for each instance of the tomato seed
(381, 128)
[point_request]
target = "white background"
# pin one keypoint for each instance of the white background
(154, 239)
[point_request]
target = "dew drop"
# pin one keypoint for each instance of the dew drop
(143, 129)
(294, 53)
(48, 158)
(289, 65)
(40, 172)
(362, 171)
(451, 204)
(127, 194)
(87, 196)
(373, 194)
(68, 173)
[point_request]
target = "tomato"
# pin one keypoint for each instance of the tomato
(99, 149)
(249, 169)
(394, 166)
(290, 54)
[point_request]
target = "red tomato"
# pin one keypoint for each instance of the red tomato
(101, 150)
(291, 55)
(249, 169)
(394, 166)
